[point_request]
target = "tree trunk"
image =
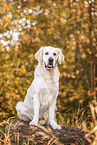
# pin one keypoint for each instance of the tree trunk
(21, 133)
(91, 48)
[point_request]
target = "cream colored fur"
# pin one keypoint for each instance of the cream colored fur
(42, 94)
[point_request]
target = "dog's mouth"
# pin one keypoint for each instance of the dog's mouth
(49, 66)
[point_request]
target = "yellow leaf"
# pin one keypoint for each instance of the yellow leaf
(6, 24)
(37, 39)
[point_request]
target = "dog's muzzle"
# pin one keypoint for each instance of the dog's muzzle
(50, 63)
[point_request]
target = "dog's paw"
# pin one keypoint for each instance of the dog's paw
(33, 123)
(54, 125)
(42, 122)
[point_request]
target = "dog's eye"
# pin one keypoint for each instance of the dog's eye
(54, 54)
(46, 53)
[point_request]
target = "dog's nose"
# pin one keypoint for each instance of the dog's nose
(51, 59)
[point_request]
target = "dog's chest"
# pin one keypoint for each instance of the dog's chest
(46, 97)
(48, 92)
(50, 86)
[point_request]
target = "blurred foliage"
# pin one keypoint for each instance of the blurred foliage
(25, 26)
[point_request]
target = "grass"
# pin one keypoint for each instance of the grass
(8, 122)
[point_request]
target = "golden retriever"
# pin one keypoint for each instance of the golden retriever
(42, 94)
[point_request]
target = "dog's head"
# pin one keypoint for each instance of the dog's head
(49, 56)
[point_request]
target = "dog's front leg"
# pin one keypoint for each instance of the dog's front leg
(52, 122)
(36, 105)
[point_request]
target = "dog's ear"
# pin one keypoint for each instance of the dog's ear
(39, 54)
(60, 56)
